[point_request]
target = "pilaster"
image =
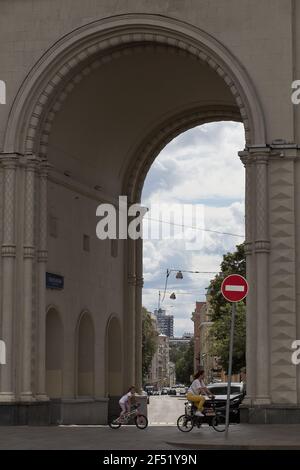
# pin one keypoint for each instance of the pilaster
(42, 257)
(283, 321)
(29, 248)
(9, 164)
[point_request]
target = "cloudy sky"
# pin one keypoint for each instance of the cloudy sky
(196, 182)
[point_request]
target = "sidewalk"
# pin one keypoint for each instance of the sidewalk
(244, 436)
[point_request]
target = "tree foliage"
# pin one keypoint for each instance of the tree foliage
(183, 357)
(149, 341)
(233, 263)
(220, 337)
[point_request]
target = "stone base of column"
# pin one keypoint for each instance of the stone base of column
(25, 414)
(270, 414)
(42, 397)
(27, 397)
(6, 397)
(261, 401)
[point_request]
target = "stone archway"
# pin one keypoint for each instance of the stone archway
(37, 138)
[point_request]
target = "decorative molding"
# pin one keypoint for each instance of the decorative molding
(161, 135)
(140, 282)
(131, 280)
(248, 248)
(262, 246)
(29, 252)
(8, 251)
(76, 52)
(64, 87)
(42, 256)
(9, 163)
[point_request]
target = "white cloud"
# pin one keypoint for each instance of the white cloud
(198, 167)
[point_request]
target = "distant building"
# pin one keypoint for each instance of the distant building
(202, 356)
(172, 374)
(196, 320)
(162, 371)
(184, 339)
(165, 322)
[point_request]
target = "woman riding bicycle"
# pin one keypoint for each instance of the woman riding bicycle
(197, 390)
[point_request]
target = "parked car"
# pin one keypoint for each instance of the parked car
(155, 392)
(172, 391)
(149, 389)
(164, 391)
(237, 393)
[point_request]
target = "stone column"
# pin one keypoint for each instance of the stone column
(262, 250)
(250, 276)
(42, 257)
(129, 325)
(8, 253)
(28, 267)
(138, 314)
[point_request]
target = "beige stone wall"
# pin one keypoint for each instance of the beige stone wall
(100, 122)
(258, 33)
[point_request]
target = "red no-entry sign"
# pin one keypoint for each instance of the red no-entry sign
(234, 288)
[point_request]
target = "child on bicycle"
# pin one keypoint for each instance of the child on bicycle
(126, 401)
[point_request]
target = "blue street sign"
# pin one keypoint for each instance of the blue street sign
(54, 281)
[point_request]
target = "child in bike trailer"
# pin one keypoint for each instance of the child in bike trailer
(197, 390)
(126, 401)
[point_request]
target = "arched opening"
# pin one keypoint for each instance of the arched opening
(195, 193)
(86, 356)
(54, 354)
(114, 358)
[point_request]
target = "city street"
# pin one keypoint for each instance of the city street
(165, 409)
(158, 436)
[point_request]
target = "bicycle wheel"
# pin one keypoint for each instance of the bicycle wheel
(141, 421)
(114, 423)
(185, 423)
(218, 423)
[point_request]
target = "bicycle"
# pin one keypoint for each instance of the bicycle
(213, 416)
(134, 415)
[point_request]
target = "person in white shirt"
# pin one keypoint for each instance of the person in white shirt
(126, 401)
(196, 391)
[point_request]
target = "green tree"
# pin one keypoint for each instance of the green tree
(220, 337)
(149, 342)
(184, 365)
(176, 351)
(233, 263)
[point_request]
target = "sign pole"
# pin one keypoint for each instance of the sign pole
(230, 368)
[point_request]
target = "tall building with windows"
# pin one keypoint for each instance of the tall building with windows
(165, 322)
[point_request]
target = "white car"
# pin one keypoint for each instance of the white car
(237, 393)
(220, 390)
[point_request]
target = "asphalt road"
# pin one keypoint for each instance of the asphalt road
(164, 409)
(162, 433)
